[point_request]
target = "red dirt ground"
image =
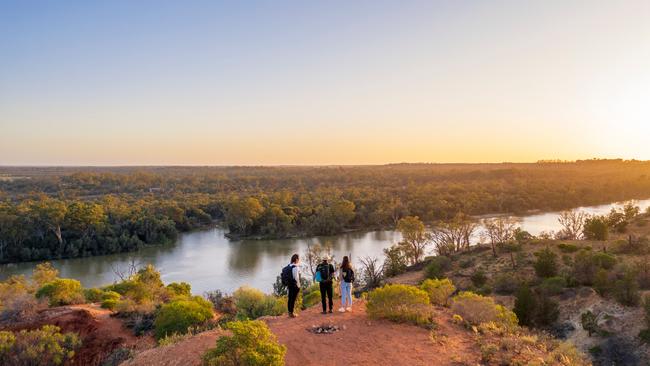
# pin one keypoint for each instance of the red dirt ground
(100, 333)
(363, 341)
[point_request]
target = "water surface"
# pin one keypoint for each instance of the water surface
(208, 260)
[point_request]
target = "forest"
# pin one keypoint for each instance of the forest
(65, 212)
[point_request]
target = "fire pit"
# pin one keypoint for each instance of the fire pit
(324, 329)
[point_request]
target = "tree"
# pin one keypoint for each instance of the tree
(546, 263)
(499, 230)
(596, 228)
(51, 212)
(572, 223)
(525, 306)
(454, 236)
(241, 213)
(415, 239)
(314, 255)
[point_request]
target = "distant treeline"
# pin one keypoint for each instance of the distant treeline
(69, 212)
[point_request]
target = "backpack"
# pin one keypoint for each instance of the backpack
(323, 273)
(287, 275)
(349, 275)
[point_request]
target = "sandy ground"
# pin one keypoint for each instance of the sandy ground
(363, 341)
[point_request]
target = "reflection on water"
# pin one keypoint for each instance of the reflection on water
(208, 260)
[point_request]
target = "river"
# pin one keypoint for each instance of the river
(208, 260)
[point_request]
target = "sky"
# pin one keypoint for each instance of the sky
(322, 82)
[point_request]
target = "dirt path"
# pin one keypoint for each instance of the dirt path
(369, 342)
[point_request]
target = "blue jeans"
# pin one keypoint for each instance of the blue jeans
(346, 294)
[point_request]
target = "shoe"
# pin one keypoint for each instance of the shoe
(342, 310)
(324, 312)
(292, 315)
(348, 309)
(330, 311)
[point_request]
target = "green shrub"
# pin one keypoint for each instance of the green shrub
(568, 248)
(251, 344)
(179, 289)
(525, 306)
(596, 228)
(310, 299)
(110, 299)
(395, 262)
(553, 285)
(506, 283)
(439, 290)
(546, 263)
(604, 260)
(437, 267)
(400, 303)
(477, 309)
(93, 294)
(478, 278)
(45, 346)
(61, 291)
(177, 316)
(603, 282)
(252, 303)
(626, 289)
(589, 322)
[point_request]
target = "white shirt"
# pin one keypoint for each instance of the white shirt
(295, 271)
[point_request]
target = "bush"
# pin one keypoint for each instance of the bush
(626, 289)
(477, 309)
(223, 304)
(62, 291)
(439, 290)
(525, 306)
(110, 299)
(400, 303)
(177, 316)
(179, 289)
(506, 283)
(251, 344)
(586, 264)
(568, 248)
(252, 303)
(478, 278)
(93, 294)
(603, 282)
(596, 228)
(45, 346)
(395, 262)
(437, 267)
(553, 285)
(604, 260)
(546, 263)
(44, 273)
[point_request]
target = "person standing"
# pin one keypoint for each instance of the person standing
(291, 278)
(325, 277)
(346, 276)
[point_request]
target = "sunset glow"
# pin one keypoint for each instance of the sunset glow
(370, 82)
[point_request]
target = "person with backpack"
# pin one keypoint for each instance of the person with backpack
(290, 277)
(346, 276)
(325, 277)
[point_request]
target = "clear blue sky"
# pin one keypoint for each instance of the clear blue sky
(320, 82)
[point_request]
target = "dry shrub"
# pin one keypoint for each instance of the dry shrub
(401, 303)
(477, 309)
